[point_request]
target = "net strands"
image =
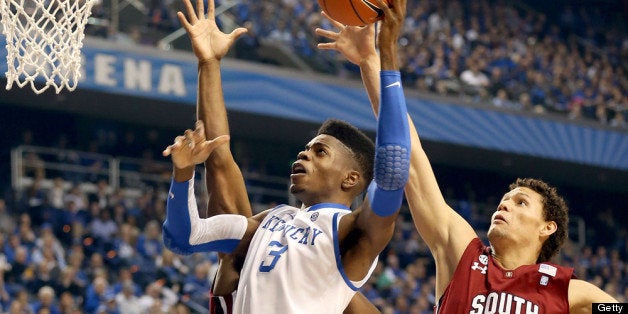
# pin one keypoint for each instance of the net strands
(44, 40)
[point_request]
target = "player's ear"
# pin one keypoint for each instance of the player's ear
(549, 227)
(351, 179)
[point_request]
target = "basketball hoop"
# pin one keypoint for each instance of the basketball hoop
(44, 40)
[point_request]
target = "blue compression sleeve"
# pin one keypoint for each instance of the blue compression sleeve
(392, 155)
(185, 233)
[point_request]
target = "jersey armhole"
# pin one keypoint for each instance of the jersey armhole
(474, 245)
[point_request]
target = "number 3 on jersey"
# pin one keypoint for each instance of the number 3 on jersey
(275, 249)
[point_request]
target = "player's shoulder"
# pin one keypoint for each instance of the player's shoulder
(582, 293)
(280, 208)
(260, 216)
(332, 207)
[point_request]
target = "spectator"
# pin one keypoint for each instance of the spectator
(20, 303)
(502, 100)
(69, 283)
(76, 196)
(149, 243)
(102, 194)
(124, 245)
(125, 278)
(25, 231)
(247, 46)
(5, 298)
(47, 246)
(97, 294)
(68, 304)
(47, 271)
(474, 81)
(127, 301)
(110, 306)
(197, 284)
(7, 222)
(157, 299)
(102, 227)
(171, 268)
(46, 301)
(56, 194)
(34, 201)
(76, 260)
(73, 213)
(21, 272)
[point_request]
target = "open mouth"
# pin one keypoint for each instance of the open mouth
(499, 218)
(297, 168)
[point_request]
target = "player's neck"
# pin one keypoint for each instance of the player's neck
(311, 201)
(509, 258)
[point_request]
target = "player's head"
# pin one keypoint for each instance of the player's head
(554, 209)
(531, 207)
(361, 146)
(338, 159)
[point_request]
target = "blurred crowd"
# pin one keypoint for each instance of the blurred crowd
(64, 249)
(570, 60)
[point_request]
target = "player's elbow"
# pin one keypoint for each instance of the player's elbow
(392, 166)
(384, 202)
(173, 243)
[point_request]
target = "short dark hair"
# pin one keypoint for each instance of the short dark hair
(360, 144)
(554, 209)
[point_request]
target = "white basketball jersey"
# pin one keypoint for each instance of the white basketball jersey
(293, 264)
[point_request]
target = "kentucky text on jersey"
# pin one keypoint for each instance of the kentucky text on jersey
(502, 303)
(305, 236)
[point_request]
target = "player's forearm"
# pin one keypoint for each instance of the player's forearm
(445, 232)
(211, 105)
(392, 156)
(185, 233)
(225, 182)
(388, 58)
(182, 174)
(211, 110)
(369, 70)
(388, 48)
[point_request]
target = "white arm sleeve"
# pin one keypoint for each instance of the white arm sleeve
(184, 232)
(219, 227)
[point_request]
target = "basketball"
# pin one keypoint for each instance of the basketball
(353, 12)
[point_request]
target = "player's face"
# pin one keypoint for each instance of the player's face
(320, 169)
(519, 217)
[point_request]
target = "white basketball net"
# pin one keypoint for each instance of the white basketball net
(44, 39)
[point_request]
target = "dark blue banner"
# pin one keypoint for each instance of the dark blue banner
(172, 76)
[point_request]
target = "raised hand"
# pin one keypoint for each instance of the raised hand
(192, 148)
(356, 43)
(388, 37)
(208, 42)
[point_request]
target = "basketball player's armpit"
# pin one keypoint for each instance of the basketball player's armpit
(392, 155)
(185, 233)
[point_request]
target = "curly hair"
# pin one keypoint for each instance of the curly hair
(554, 209)
(360, 144)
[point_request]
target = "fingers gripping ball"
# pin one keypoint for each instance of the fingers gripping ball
(353, 12)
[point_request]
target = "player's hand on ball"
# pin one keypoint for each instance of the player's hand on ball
(356, 43)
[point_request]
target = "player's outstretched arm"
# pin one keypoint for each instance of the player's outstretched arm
(438, 224)
(375, 219)
(223, 179)
(357, 44)
(583, 294)
(184, 232)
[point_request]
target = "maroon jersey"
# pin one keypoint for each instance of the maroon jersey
(480, 285)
